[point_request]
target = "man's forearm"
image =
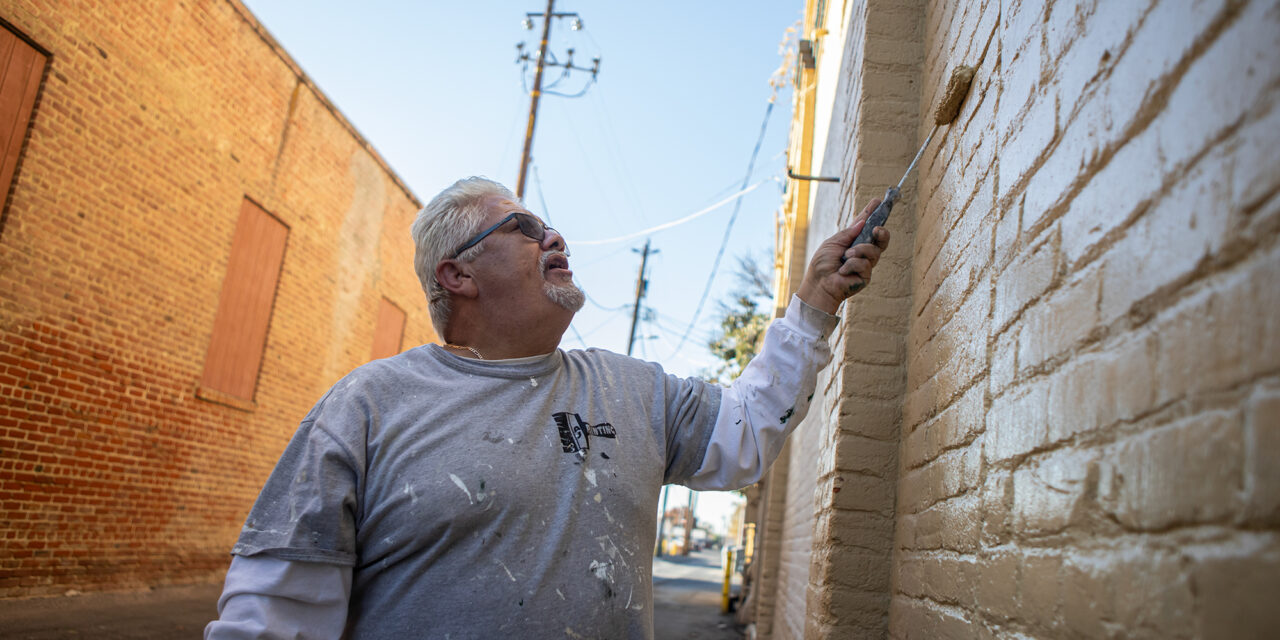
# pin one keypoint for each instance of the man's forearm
(764, 405)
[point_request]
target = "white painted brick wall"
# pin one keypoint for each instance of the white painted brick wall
(1120, 390)
(797, 529)
(1086, 264)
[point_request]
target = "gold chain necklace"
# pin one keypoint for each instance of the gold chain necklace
(471, 349)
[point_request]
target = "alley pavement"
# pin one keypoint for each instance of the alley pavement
(166, 613)
(686, 592)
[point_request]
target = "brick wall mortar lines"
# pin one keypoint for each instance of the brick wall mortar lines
(114, 249)
(847, 597)
(768, 592)
(1130, 343)
(305, 80)
(797, 528)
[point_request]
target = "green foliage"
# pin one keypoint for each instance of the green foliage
(743, 320)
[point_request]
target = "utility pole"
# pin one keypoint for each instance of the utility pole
(642, 285)
(534, 97)
(689, 521)
(662, 521)
(542, 63)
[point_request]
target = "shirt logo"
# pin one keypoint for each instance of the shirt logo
(575, 433)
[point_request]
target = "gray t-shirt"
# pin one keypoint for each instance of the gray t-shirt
(484, 500)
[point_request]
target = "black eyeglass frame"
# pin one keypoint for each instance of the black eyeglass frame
(529, 225)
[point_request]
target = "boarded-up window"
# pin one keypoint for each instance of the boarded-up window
(389, 332)
(21, 68)
(244, 308)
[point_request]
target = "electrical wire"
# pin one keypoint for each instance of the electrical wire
(602, 307)
(701, 364)
(601, 325)
(546, 213)
(705, 335)
(578, 335)
(591, 170)
(550, 60)
(675, 322)
(643, 341)
(615, 154)
(667, 225)
(669, 330)
(579, 94)
(751, 164)
(508, 146)
(602, 258)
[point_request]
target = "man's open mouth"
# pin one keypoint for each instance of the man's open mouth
(556, 261)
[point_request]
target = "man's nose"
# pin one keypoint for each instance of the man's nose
(553, 241)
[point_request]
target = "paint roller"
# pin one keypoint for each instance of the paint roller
(946, 111)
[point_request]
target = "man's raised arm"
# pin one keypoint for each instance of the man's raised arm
(763, 406)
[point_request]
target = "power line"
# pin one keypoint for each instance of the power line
(602, 325)
(511, 136)
(618, 159)
(724, 242)
(678, 354)
(578, 335)
(602, 307)
(601, 258)
(622, 173)
(570, 95)
(667, 225)
(609, 204)
(541, 196)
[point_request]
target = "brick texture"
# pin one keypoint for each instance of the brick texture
(153, 124)
(1079, 357)
(852, 430)
(1100, 417)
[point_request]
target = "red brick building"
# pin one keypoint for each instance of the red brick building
(195, 244)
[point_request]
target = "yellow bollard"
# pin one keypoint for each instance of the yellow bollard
(726, 556)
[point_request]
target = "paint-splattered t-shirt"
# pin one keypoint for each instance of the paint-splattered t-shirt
(431, 496)
(484, 500)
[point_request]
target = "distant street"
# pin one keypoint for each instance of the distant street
(686, 593)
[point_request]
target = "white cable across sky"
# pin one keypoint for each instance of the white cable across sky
(673, 223)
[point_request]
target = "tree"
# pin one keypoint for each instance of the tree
(743, 319)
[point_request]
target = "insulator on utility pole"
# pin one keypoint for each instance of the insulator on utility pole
(542, 61)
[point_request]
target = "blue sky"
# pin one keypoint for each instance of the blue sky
(666, 131)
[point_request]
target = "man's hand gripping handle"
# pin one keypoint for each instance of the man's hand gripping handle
(878, 217)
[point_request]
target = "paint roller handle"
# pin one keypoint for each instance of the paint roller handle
(878, 217)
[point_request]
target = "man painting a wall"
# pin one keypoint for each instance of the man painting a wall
(497, 485)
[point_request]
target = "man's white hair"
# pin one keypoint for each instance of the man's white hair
(450, 219)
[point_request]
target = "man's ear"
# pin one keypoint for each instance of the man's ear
(456, 278)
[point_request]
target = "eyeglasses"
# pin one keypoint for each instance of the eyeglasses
(530, 226)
